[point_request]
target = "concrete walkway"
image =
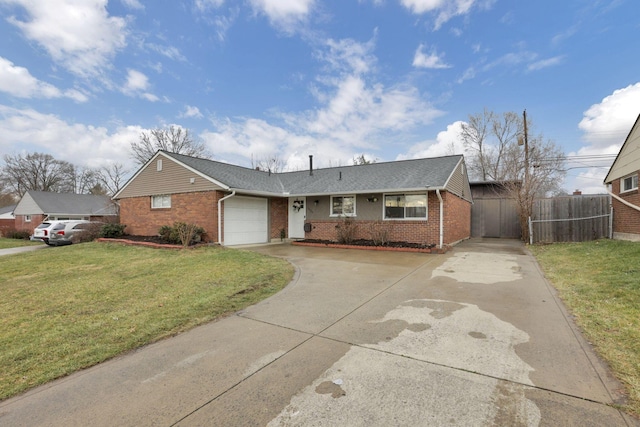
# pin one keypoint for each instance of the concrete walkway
(21, 249)
(475, 337)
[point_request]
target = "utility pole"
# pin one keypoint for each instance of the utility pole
(526, 149)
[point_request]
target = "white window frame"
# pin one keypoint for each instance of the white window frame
(336, 214)
(634, 183)
(27, 218)
(161, 201)
(405, 218)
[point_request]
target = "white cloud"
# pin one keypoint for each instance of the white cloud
(605, 126)
(18, 81)
(285, 15)
(355, 114)
(608, 122)
(170, 52)
(545, 63)
(191, 112)
(428, 60)
(78, 34)
(204, 5)
(137, 84)
(77, 143)
(447, 142)
(445, 9)
(133, 4)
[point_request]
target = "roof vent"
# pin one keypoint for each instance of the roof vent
(310, 164)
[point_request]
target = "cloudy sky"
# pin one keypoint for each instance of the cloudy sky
(390, 79)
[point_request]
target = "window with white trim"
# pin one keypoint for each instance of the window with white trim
(27, 218)
(629, 183)
(343, 205)
(405, 206)
(162, 201)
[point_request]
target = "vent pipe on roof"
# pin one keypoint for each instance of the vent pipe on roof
(310, 164)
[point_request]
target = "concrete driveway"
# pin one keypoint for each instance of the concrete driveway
(475, 337)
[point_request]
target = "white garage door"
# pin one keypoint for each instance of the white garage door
(246, 220)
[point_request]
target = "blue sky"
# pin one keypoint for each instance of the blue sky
(390, 79)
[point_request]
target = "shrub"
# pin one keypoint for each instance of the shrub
(379, 233)
(91, 232)
(181, 233)
(346, 231)
(112, 230)
(17, 234)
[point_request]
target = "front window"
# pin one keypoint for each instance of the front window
(405, 206)
(343, 205)
(27, 218)
(163, 201)
(629, 183)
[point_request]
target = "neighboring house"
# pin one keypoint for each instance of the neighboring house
(36, 206)
(7, 220)
(422, 201)
(622, 183)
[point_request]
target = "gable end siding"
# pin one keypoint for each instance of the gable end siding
(27, 206)
(628, 159)
(173, 178)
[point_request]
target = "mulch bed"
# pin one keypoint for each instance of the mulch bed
(369, 245)
(148, 241)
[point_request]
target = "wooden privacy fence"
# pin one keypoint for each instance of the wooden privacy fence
(570, 219)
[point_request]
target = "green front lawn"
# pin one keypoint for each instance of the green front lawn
(600, 284)
(68, 308)
(16, 243)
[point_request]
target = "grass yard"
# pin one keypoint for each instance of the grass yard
(600, 284)
(16, 243)
(67, 308)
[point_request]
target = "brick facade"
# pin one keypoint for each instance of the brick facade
(22, 225)
(201, 208)
(457, 220)
(625, 219)
(193, 208)
(278, 217)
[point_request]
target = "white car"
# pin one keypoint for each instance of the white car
(43, 231)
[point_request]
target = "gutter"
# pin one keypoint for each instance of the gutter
(228, 196)
(441, 218)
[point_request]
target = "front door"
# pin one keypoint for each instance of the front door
(297, 216)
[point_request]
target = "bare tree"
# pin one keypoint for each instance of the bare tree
(501, 149)
(84, 180)
(36, 171)
(475, 136)
(362, 160)
(113, 177)
(174, 139)
(271, 164)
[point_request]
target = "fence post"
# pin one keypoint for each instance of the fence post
(530, 232)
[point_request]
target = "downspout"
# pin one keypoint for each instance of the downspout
(623, 201)
(441, 218)
(228, 196)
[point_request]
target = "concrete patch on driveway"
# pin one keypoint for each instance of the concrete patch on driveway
(381, 389)
(477, 267)
(460, 336)
(458, 342)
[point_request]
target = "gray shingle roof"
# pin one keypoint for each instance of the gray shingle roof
(375, 177)
(73, 204)
(7, 209)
